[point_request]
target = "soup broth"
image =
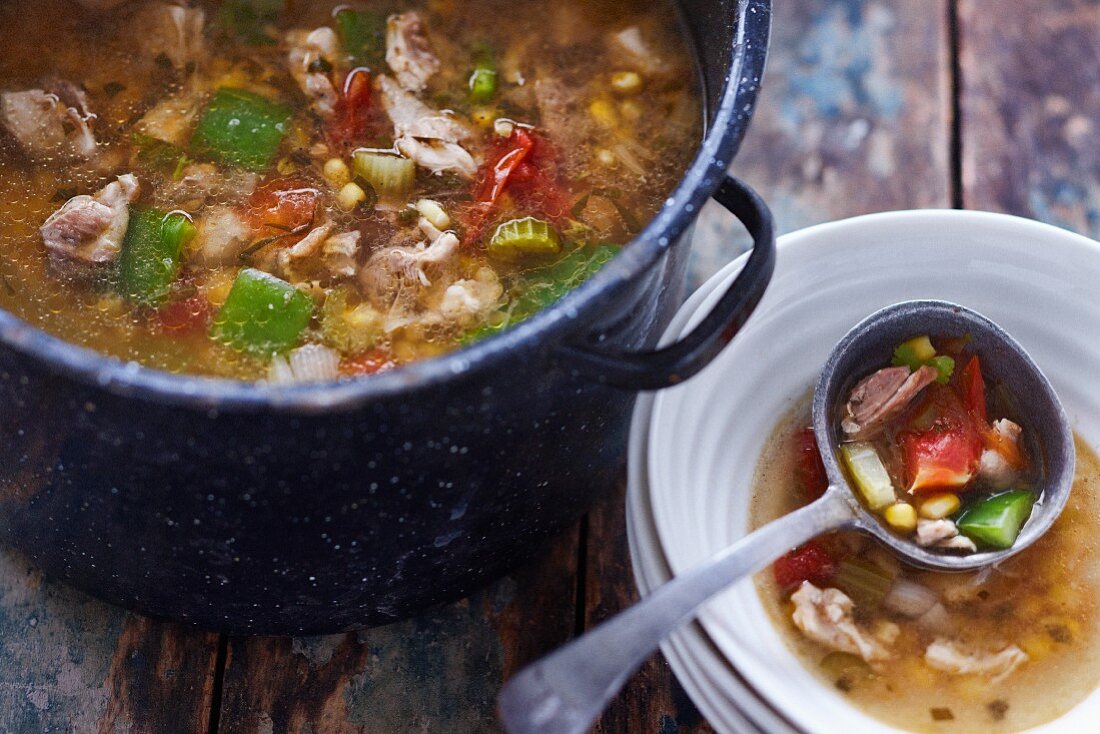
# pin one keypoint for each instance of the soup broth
(1041, 602)
(412, 176)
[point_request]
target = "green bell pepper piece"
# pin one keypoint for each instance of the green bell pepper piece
(241, 128)
(996, 521)
(151, 254)
(363, 35)
(262, 315)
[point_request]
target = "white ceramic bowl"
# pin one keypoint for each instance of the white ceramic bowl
(705, 437)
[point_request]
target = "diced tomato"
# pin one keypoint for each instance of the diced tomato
(367, 363)
(523, 165)
(281, 207)
(810, 562)
(184, 317)
(811, 470)
(350, 122)
(972, 386)
(944, 454)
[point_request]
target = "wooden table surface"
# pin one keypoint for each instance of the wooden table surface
(868, 105)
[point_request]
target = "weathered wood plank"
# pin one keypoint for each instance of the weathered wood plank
(69, 663)
(1030, 101)
(439, 672)
(854, 117)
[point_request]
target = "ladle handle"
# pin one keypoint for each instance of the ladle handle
(565, 691)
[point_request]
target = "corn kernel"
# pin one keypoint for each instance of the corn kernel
(336, 172)
(626, 82)
(603, 112)
(350, 196)
(433, 212)
(484, 116)
(901, 516)
(939, 506)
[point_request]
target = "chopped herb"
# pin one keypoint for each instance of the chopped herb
(258, 245)
(997, 709)
(1059, 633)
(113, 88)
(941, 714)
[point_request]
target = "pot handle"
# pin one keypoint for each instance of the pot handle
(680, 360)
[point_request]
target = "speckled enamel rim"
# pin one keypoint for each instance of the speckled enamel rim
(550, 326)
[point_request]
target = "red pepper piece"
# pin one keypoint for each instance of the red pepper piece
(351, 121)
(972, 385)
(811, 470)
(810, 562)
(944, 455)
(184, 317)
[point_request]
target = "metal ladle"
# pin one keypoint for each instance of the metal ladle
(565, 691)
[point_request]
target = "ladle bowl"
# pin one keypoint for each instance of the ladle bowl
(565, 691)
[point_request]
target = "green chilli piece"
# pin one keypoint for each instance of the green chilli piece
(250, 19)
(995, 521)
(241, 128)
(151, 254)
(262, 315)
(527, 236)
(363, 36)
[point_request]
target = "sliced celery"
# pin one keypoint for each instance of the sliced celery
(869, 474)
(389, 175)
(525, 236)
(864, 582)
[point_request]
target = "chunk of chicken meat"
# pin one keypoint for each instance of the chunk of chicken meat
(169, 31)
(993, 467)
(942, 534)
(408, 52)
(951, 657)
(51, 122)
(825, 616)
(469, 301)
(173, 118)
(881, 396)
(90, 229)
(312, 56)
(428, 137)
(221, 237)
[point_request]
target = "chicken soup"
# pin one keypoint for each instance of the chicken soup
(999, 650)
(291, 190)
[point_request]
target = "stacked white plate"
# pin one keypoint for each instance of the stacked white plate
(694, 448)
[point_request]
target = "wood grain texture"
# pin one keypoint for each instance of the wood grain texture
(69, 663)
(438, 672)
(854, 117)
(1030, 101)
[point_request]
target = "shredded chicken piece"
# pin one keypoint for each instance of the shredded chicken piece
(825, 616)
(312, 56)
(632, 47)
(90, 229)
(395, 269)
(993, 467)
(50, 123)
(438, 156)
(942, 534)
(467, 302)
(880, 396)
(173, 118)
(339, 253)
(221, 237)
(173, 32)
(951, 657)
(412, 118)
(408, 52)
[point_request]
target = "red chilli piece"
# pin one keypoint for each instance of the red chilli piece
(351, 121)
(187, 316)
(810, 562)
